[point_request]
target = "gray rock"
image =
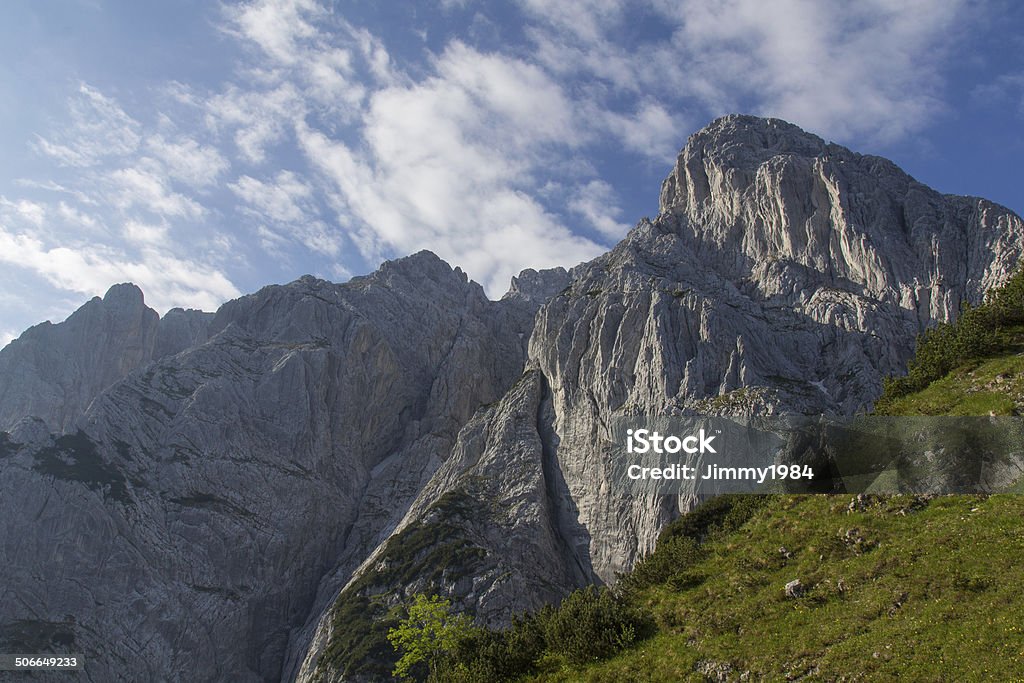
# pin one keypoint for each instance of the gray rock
(53, 372)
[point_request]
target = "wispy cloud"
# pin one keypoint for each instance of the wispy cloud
(187, 161)
(449, 161)
(843, 69)
(148, 189)
(89, 270)
(99, 128)
(259, 117)
(32, 212)
(277, 26)
(597, 204)
(1005, 88)
(288, 203)
(126, 190)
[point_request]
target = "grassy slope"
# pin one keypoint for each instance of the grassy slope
(905, 588)
(982, 386)
(917, 594)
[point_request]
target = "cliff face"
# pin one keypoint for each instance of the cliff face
(231, 491)
(52, 372)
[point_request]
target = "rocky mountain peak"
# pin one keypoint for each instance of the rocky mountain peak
(739, 139)
(125, 296)
(537, 285)
(423, 264)
(53, 371)
(736, 146)
(762, 203)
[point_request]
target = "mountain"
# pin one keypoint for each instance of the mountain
(52, 372)
(249, 497)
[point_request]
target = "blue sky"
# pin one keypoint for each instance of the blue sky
(203, 150)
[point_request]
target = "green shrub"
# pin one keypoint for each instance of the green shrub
(486, 655)
(714, 517)
(591, 624)
(974, 334)
(428, 634)
(673, 556)
(679, 544)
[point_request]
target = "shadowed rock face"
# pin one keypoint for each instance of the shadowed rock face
(52, 372)
(212, 498)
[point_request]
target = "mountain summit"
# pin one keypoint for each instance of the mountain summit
(257, 489)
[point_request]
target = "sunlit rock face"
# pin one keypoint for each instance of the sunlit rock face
(205, 497)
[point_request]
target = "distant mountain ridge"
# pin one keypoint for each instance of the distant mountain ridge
(52, 372)
(314, 452)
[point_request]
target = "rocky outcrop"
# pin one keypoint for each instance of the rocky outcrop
(783, 274)
(53, 372)
(249, 499)
(760, 200)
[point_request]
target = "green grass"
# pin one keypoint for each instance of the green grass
(931, 593)
(986, 386)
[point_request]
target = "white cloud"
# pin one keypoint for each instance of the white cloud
(449, 161)
(597, 204)
(842, 69)
(121, 173)
(271, 242)
(51, 186)
(649, 131)
(279, 200)
(145, 233)
(276, 25)
(287, 201)
(476, 220)
(98, 129)
(587, 20)
(6, 337)
(511, 93)
(91, 269)
(321, 64)
(188, 161)
(30, 211)
(839, 68)
(259, 117)
(75, 218)
(148, 189)
(330, 76)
